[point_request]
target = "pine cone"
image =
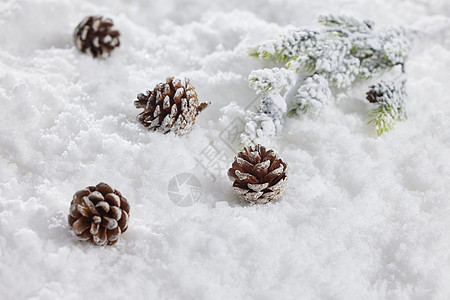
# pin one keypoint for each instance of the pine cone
(259, 175)
(95, 36)
(99, 214)
(171, 106)
(374, 93)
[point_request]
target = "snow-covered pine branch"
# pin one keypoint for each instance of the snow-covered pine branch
(263, 125)
(389, 96)
(346, 22)
(274, 106)
(311, 96)
(273, 84)
(279, 80)
(345, 50)
(380, 53)
(259, 129)
(288, 46)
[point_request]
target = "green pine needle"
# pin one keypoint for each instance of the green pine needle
(279, 56)
(264, 90)
(383, 117)
(345, 22)
(254, 52)
(299, 110)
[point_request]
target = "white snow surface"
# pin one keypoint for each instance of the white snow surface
(362, 218)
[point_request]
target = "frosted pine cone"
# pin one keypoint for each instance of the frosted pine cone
(258, 175)
(171, 106)
(387, 92)
(99, 214)
(373, 94)
(94, 35)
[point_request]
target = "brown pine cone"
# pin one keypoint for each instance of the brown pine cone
(374, 93)
(372, 96)
(258, 175)
(95, 36)
(171, 106)
(99, 214)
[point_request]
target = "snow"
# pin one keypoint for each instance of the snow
(362, 217)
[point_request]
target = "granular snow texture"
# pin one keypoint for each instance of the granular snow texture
(363, 217)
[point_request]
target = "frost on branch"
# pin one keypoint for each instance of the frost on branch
(346, 22)
(311, 96)
(343, 51)
(396, 45)
(327, 54)
(382, 52)
(259, 129)
(261, 126)
(346, 49)
(344, 74)
(274, 107)
(288, 45)
(279, 80)
(390, 97)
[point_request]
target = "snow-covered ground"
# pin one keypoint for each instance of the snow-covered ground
(362, 218)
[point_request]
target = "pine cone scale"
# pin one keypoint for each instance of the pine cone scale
(96, 197)
(123, 222)
(85, 236)
(81, 224)
(109, 223)
(113, 235)
(89, 207)
(104, 189)
(253, 196)
(239, 190)
(103, 205)
(112, 199)
(83, 210)
(100, 238)
(258, 187)
(261, 169)
(80, 194)
(94, 228)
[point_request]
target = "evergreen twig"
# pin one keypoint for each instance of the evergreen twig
(345, 50)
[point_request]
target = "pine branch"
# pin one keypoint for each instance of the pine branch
(312, 95)
(383, 118)
(346, 22)
(389, 96)
(288, 46)
(334, 57)
(262, 126)
(277, 80)
(259, 129)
